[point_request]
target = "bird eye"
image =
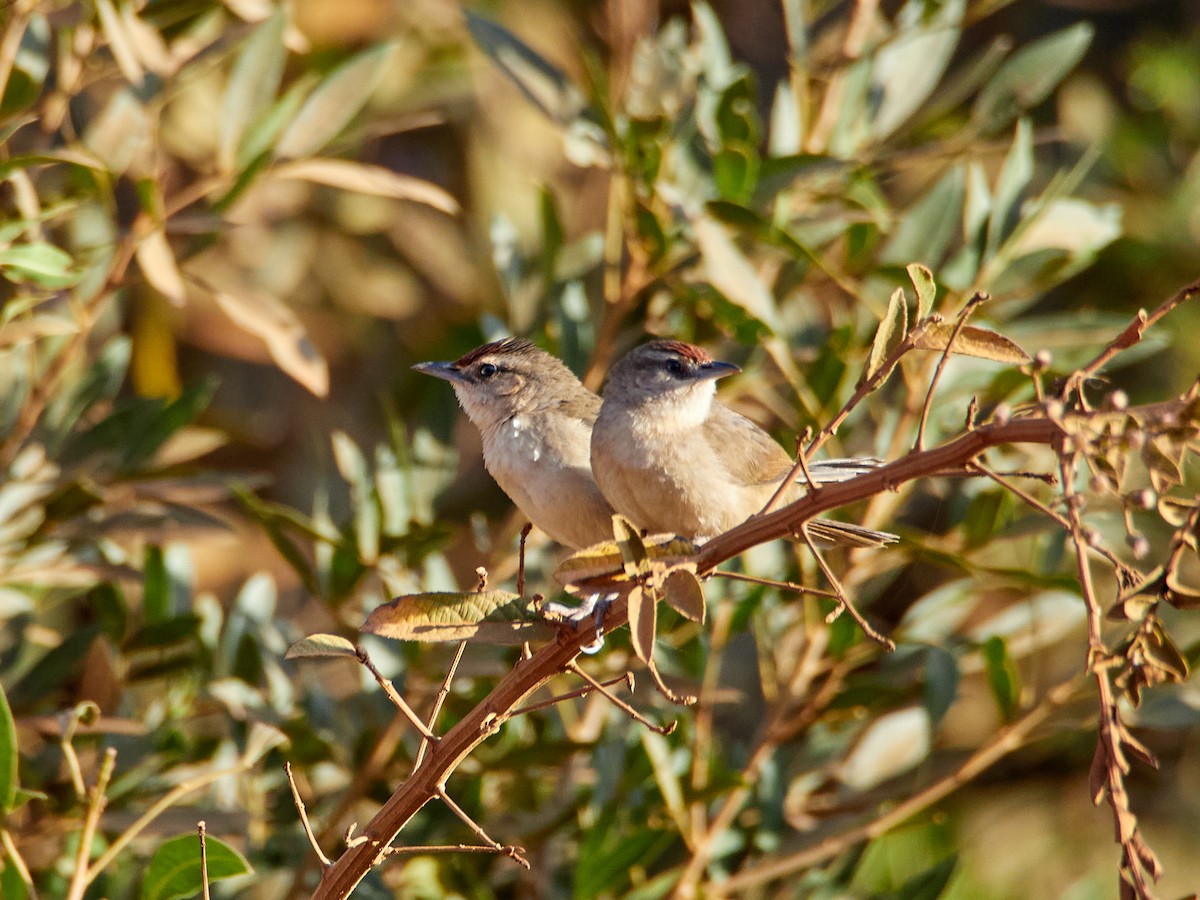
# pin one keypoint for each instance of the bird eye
(487, 370)
(674, 366)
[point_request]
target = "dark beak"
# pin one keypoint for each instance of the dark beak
(442, 370)
(716, 369)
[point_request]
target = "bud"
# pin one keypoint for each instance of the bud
(1143, 499)
(1118, 400)
(1054, 409)
(1092, 536)
(1002, 414)
(1042, 360)
(1139, 546)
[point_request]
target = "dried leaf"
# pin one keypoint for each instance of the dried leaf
(1098, 775)
(368, 179)
(643, 609)
(629, 542)
(926, 288)
(895, 317)
(320, 645)
(973, 341)
(683, 591)
(1179, 595)
(490, 617)
(25, 330)
(119, 42)
(276, 323)
(605, 561)
(157, 261)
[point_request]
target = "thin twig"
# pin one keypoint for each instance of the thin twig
(959, 324)
(67, 724)
(97, 800)
(801, 465)
(440, 699)
(204, 890)
(626, 679)
(525, 529)
(300, 809)
(393, 694)
(844, 602)
(619, 703)
(510, 850)
(770, 582)
(447, 848)
(18, 863)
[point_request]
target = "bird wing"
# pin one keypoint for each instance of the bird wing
(748, 453)
(582, 405)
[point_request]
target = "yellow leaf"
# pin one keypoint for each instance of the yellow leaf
(490, 617)
(272, 320)
(368, 179)
(972, 341)
(643, 608)
(684, 594)
(157, 261)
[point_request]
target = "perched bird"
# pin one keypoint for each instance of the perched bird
(535, 418)
(670, 458)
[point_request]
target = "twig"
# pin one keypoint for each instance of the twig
(157, 809)
(1131, 335)
(1005, 742)
(510, 850)
(18, 863)
(525, 529)
(959, 324)
(393, 694)
(770, 582)
(97, 800)
(626, 679)
(200, 829)
(844, 602)
(870, 384)
(619, 703)
(801, 465)
(439, 700)
(312, 838)
(448, 848)
(67, 724)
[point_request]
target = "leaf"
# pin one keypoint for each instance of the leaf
(925, 231)
(941, 682)
(174, 870)
(334, 102)
(605, 560)
(255, 78)
(156, 586)
(730, 272)
(157, 262)
(367, 179)
(895, 317)
(629, 542)
(266, 316)
(1030, 74)
(893, 743)
(1002, 676)
(925, 286)
(973, 341)
(40, 263)
(490, 617)
(542, 83)
(643, 613)
(930, 884)
(119, 42)
(1011, 186)
(321, 645)
(9, 751)
(683, 592)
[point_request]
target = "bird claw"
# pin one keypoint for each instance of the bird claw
(593, 607)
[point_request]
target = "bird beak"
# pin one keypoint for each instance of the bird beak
(442, 370)
(716, 369)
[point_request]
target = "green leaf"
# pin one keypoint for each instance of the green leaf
(1002, 676)
(1028, 77)
(364, 504)
(252, 84)
(1011, 187)
(8, 755)
(55, 668)
(156, 589)
(922, 280)
(334, 102)
(895, 319)
(321, 645)
(38, 263)
(930, 884)
(729, 271)
(543, 84)
(926, 230)
(941, 682)
(490, 617)
(174, 870)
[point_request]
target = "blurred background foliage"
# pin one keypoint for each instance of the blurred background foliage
(229, 229)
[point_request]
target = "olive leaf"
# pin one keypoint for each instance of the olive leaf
(320, 645)
(643, 612)
(973, 341)
(488, 617)
(684, 593)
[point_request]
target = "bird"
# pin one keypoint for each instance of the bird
(535, 419)
(671, 458)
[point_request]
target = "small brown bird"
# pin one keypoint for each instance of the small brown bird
(535, 418)
(670, 458)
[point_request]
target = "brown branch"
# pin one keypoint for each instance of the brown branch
(771, 582)
(626, 679)
(844, 603)
(619, 703)
(507, 849)
(97, 800)
(440, 699)
(800, 466)
(394, 695)
(205, 893)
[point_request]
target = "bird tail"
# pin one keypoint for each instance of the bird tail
(827, 471)
(847, 535)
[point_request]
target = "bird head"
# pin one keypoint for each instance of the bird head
(668, 373)
(502, 379)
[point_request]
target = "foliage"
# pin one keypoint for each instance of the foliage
(202, 196)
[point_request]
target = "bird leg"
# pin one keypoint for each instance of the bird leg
(528, 527)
